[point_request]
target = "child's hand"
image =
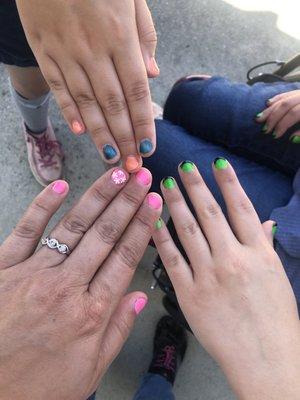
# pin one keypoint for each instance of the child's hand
(282, 113)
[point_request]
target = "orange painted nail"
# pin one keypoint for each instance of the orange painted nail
(132, 163)
(77, 127)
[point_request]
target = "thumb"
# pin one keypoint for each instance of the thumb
(121, 324)
(270, 229)
(147, 36)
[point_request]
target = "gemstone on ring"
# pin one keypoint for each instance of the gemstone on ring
(54, 244)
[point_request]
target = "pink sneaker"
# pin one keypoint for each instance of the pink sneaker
(45, 155)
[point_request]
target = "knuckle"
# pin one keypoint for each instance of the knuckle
(99, 195)
(56, 85)
(40, 208)
(144, 223)
(173, 260)
(138, 91)
(75, 224)
(99, 131)
(294, 112)
(127, 254)
(190, 228)
(142, 122)
(243, 205)
(107, 231)
(114, 105)
(149, 36)
(211, 210)
(130, 199)
(84, 99)
(26, 230)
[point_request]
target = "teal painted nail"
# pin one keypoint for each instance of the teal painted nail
(187, 166)
(295, 139)
(221, 163)
(169, 183)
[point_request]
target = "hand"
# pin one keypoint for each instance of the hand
(64, 319)
(283, 113)
(235, 294)
(95, 56)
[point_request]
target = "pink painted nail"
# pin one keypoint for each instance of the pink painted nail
(77, 127)
(154, 201)
(143, 177)
(118, 176)
(140, 304)
(59, 187)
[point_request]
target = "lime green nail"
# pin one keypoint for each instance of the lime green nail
(159, 224)
(296, 139)
(264, 128)
(259, 115)
(169, 183)
(221, 163)
(274, 229)
(274, 135)
(187, 166)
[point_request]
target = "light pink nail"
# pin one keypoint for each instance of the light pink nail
(77, 127)
(154, 201)
(118, 176)
(140, 304)
(143, 177)
(59, 187)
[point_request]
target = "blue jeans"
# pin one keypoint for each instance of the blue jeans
(154, 387)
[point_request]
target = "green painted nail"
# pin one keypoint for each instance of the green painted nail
(259, 115)
(159, 224)
(274, 229)
(169, 183)
(274, 135)
(296, 139)
(221, 163)
(264, 128)
(187, 166)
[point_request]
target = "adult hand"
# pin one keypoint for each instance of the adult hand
(95, 56)
(235, 294)
(282, 113)
(64, 319)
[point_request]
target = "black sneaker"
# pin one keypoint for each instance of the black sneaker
(172, 307)
(170, 343)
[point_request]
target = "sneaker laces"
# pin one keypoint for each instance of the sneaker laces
(166, 358)
(47, 150)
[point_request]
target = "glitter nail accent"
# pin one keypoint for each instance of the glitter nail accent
(118, 176)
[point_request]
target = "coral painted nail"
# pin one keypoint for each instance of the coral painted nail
(140, 304)
(132, 163)
(59, 187)
(119, 176)
(77, 127)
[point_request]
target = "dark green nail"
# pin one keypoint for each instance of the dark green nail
(259, 115)
(221, 163)
(264, 128)
(295, 139)
(187, 166)
(274, 229)
(169, 183)
(159, 224)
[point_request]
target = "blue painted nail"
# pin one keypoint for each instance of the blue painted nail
(109, 152)
(146, 146)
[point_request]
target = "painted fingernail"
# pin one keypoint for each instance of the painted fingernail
(143, 177)
(159, 224)
(132, 163)
(274, 228)
(153, 66)
(221, 163)
(265, 128)
(168, 183)
(259, 115)
(274, 135)
(118, 176)
(295, 139)
(146, 146)
(109, 152)
(77, 127)
(59, 187)
(269, 102)
(187, 166)
(154, 201)
(140, 304)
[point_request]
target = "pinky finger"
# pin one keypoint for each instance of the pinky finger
(270, 229)
(65, 101)
(177, 268)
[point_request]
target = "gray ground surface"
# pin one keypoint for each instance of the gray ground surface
(195, 36)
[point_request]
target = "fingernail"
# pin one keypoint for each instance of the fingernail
(269, 102)
(132, 163)
(140, 304)
(159, 224)
(146, 146)
(77, 127)
(154, 201)
(221, 163)
(295, 139)
(118, 176)
(143, 177)
(187, 166)
(264, 128)
(153, 66)
(274, 229)
(109, 152)
(259, 115)
(274, 135)
(169, 183)
(59, 187)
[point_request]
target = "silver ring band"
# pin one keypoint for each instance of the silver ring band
(54, 244)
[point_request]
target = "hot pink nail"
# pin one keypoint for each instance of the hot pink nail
(154, 201)
(77, 127)
(140, 304)
(143, 177)
(59, 187)
(118, 176)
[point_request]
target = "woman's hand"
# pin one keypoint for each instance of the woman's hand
(235, 294)
(283, 113)
(95, 56)
(65, 318)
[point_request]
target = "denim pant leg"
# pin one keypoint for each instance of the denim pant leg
(154, 387)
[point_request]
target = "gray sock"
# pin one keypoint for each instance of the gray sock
(34, 112)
